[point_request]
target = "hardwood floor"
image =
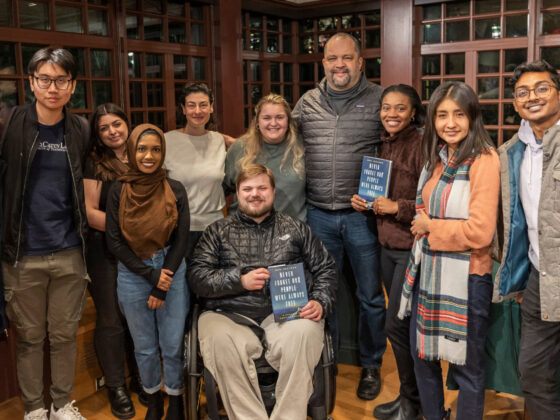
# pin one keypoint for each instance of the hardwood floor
(348, 405)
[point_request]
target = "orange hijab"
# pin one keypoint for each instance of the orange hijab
(148, 209)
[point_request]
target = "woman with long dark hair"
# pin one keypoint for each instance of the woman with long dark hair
(147, 231)
(448, 283)
(272, 141)
(402, 115)
(105, 163)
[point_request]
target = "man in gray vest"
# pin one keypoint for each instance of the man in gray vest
(339, 122)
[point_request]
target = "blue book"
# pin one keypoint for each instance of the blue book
(288, 291)
(375, 178)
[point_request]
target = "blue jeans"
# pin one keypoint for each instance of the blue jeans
(348, 230)
(153, 330)
(471, 377)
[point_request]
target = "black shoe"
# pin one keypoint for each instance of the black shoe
(385, 411)
(370, 384)
(447, 415)
(407, 411)
(136, 387)
(176, 409)
(121, 405)
(155, 406)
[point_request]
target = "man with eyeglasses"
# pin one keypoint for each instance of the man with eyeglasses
(43, 232)
(530, 267)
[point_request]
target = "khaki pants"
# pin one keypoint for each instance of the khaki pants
(46, 294)
(229, 351)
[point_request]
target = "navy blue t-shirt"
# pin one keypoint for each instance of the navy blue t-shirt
(48, 217)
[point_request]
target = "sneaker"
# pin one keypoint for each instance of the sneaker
(68, 412)
(39, 414)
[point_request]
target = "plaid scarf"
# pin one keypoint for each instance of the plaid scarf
(441, 325)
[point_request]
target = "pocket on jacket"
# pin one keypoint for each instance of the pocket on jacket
(556, 193)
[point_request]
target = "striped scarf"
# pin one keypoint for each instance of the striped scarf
(441, 326)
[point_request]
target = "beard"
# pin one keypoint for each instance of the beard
(340, 83)
(247, 210)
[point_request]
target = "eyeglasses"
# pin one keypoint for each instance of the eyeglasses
(44, 82)
(541, 91)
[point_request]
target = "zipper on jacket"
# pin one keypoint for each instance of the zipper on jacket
(334, 162)
(29, 160)
(78, 228)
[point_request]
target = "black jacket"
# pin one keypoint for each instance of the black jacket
(236, 245)
(177, 242)
(20, 145)
(336, 143)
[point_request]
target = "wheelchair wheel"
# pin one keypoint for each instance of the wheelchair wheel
(328, 372)
(193, 372)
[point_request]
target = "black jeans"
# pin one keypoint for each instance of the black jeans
(393, 267)
(471, 377)
(539, 356)
(111, 337)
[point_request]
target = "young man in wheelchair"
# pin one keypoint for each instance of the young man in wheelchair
(230, 276)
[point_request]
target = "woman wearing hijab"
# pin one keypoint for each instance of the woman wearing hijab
(147, 226)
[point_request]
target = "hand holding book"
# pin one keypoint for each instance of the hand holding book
(313, 311)
(255, 279)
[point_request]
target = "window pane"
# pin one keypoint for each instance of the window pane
(34, 15)
(550, 3)
(288, 75)
(255, 21)
(350, 21)
(132, 27)
(455, 63)
(457, 31)
(508, 134)
(321, 70)
(177, 32)
(489, 88)
(29, 97)
(136, 118)
(7, 59)
(289, 94)
(155, 94)
(135, 94)
(307, 72)
(326, 24)
(489, 114)
(153, 66)
(274, 72)
(431, 33)
(516, 4)
(272, 43)
(552, 56)
(428, 87)
(373, 38)
(487, 28)
(551, 23)
(8, 93)
(323, 38)
(488, 61)
(78, 99)
(286, 25)
(6, 19)
(131, 4)
(176, 8)
(256, 93)
(157, 118)
(510, 116)
(69, 19)
(287, 44)
(198, 65)
(458, 8)
(486, 6)
(433, 11)
(153, 6)
(27, 51)
(306, 44)
(197, 34)
(274, 88)
(180, 67)
(197, 12)
(431, 65)
(134, 65)
(79, 59)
(255, 41)
(493, 136)
(101, 92)
(517, 25)
(272, 23)
(97, 22)
(373, 68)
(306, 25)
(153, 29)
(373, 18)
(100, 63)
(513, 58)
(508, 88)
(255, 71)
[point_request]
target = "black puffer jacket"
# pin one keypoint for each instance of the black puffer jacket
(236, 245)
(336, 143)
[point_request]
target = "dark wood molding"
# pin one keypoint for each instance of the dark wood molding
(312, 9)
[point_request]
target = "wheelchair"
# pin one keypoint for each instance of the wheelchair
(199, 379)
